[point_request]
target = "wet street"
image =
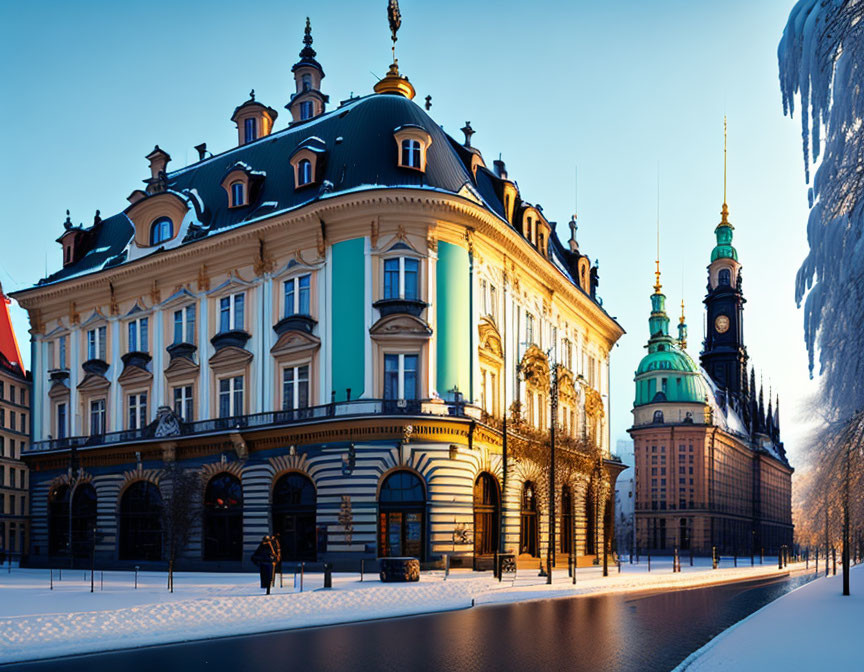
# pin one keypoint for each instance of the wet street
(644, 632)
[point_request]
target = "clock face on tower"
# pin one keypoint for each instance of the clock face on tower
(721, 324)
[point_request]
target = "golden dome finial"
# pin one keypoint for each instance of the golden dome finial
(393, 82)
(657, 285)
(681, 319)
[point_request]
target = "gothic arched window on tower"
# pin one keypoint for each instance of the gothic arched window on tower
(725, 277)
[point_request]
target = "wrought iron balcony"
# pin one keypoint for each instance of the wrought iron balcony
(354, 409)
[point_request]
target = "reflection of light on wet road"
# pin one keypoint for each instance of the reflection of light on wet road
(644, 632)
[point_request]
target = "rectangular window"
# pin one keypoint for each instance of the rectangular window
(61, 421)
(231, 397)
(139, 335)
(97, 417)
(12, 419)
(493, 302)
(297, 296)
(250, 130)
(184, 325)
(529, 328)
(400, 376)
(183, 403)
(401, 278)
(138, 410)
(306, 110)
(12, 399)
(61, 352)
(231, 310)
(96, 343)
(295, 387)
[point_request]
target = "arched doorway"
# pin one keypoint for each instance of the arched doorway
(566, 520)
(401, 516)
(83, 520)
(140, 522)
(590, 521)
(529, 532)
(487, 515)
(223, 518)
(58, 520)
(294, 508)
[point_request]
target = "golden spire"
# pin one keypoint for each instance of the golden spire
(657, 285)
(724, 211)
(681, 319)
(393, 82)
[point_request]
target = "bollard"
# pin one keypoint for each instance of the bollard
(817, 561)
(631, 557)
(302, 571)
(834, 560)
(362, 568)
(619, 564)
(807, 559)
(328, 574)
(136, 577)
(780, 559)
(762, 555)
(649, 560)
(446, 566)
(495, 565)
(575, 564)
(714, 562)
(735, 557)
(52, 580)
(691, 556)
(59, 573)
(674, 559)
(102, 580)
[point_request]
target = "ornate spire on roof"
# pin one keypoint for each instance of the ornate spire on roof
(393, 82)
(682, 329)
(307, 51)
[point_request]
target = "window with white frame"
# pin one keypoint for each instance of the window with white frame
(231, 309)
(137, 418)
(184, 325)
(96, 343)
(184, 403)
(138, 335)
(529, 328)
(97, 417)
(61, 420)
(231, 397)
(295, 387)
(411, 153)
(296, 294)
(400, 376)
(401, 278)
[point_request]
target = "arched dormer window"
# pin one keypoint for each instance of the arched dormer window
(413, 144)
(411, 153)
(238, 194)
(161, 230)
(304, 172)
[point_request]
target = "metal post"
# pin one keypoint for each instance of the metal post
(446, 566)
(691, 555)
(761, 555)
(362, 568)
(102, 580)
(649, 559)
(674, 559)
(846, 538)
(780, 558)
(817, 560)
(714, 562)
(302, 570)
(136, 577)
(52, 581)
(834, 560)
(735, 557)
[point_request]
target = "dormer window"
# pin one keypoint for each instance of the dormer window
(250, 130)
(304, 172)
(161, 230)
(413, 143)
(411, 154)
(238, 194)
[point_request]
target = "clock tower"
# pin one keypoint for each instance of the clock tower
(724, 355)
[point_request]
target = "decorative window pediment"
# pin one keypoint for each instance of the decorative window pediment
(400, 326)
(230, 358)
(241, 184)
(134, 376)
(93, 382)
(179, 298)
(232, 285)
(155, 211)
(181, 368)
(294, 342)
(412, 143)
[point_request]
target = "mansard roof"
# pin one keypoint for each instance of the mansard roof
(360, 154)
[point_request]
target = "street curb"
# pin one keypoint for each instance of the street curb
(698, 653)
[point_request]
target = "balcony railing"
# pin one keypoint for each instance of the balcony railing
(357, 408)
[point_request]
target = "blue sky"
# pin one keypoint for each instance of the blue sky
(88, 88)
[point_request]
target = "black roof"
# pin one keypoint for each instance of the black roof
(360, 153)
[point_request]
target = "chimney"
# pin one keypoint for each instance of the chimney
(499, 168)
(157, 181)
(202, 151)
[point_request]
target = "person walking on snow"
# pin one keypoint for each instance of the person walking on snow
(277, 546)
(265, 557)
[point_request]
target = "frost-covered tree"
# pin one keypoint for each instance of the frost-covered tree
(821, 58)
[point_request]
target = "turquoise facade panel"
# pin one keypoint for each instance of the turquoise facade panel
(347, 328)
(453, 316)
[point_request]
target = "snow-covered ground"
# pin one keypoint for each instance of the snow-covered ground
(38, 622)
(811, 628)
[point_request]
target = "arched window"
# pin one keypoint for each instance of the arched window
(161, 230)
(238, 194)
(307, 82)
(83, 520)
(58, 520)
(566, 520)
(223, 518)
(725, 277)
(487, 512)
(411, 153)
(293, 510)
(658, 417)
(529, 533)
(140, 522)
(401, 516)
(304, 172)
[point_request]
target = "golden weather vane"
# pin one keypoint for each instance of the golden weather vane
(394, 16)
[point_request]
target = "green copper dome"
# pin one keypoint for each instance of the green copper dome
(724, 249)
(666, 373)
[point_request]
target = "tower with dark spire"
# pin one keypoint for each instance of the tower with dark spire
(307, 101)
(724, 355)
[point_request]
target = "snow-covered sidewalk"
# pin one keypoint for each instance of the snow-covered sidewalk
(811, 628)
(39, 622)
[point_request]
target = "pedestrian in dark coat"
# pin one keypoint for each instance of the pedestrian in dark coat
(265, 557)
(277, 545)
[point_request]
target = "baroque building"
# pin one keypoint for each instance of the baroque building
(14, 437)
(332, 324)
(711, 469)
